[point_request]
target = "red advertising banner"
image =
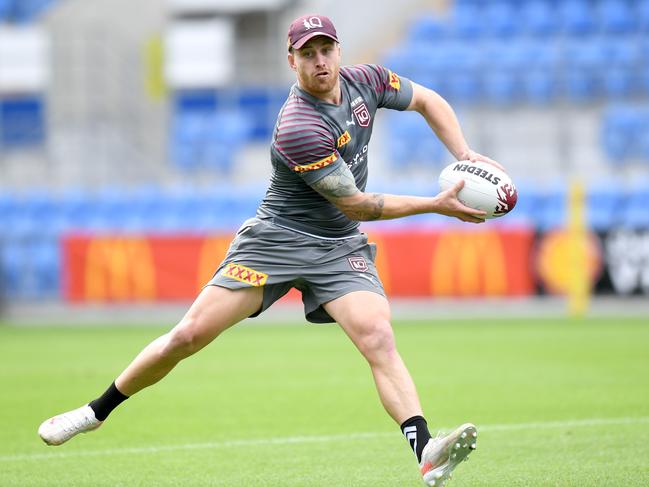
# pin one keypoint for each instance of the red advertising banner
(411, 263)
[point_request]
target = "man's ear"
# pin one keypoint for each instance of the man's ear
(291, 61)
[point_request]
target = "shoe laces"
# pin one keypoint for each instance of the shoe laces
(75, 420)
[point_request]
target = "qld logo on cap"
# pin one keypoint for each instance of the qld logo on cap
(312, 23)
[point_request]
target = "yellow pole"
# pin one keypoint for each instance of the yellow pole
(579, 284)
(154, 68)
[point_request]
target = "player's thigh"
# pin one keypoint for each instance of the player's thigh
(215, 310)
(365, 318)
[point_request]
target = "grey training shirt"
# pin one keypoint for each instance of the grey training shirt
(312, 138)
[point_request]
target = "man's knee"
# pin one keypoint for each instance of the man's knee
(376, 341)
(183, 340)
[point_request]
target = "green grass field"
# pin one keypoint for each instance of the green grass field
(557, 403)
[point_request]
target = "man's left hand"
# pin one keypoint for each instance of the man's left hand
(476, 157)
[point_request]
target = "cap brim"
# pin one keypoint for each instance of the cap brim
(309, 36)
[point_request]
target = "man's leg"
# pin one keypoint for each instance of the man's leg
(365, 318)
(214, 310)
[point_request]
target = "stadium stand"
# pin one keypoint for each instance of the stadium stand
(23, 11)
(481, 55)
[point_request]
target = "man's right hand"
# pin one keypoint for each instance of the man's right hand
(448, 204)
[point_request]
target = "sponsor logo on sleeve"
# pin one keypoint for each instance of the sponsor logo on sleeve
(244, 274)
(317, 165)
(395, 81)
(344, 139)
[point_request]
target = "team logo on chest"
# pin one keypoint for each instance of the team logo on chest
(362, 115)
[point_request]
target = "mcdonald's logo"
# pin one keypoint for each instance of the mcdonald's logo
(119, 269)
(469, 264)
(212, 253)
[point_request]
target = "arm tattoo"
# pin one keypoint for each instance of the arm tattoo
(371, 210)
(340, 184)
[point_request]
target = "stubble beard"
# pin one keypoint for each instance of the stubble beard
(323, 87)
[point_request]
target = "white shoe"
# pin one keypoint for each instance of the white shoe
(442, 454)
(59, 429)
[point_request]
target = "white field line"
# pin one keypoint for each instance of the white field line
(289, 440)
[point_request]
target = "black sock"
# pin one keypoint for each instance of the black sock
(109, 400)
(416, 432)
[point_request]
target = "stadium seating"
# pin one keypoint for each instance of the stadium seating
(209, 127)
(35, 222)
(635, 214)
(484, 52)
(22, 121)
(625, 133)
(584, 50)
(23, 11)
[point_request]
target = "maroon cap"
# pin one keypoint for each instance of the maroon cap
(307, 27)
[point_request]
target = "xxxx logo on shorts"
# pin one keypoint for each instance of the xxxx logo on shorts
(245, 274)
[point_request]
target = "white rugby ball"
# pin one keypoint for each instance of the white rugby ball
(486, 187)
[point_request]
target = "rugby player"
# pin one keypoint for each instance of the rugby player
(306, 235)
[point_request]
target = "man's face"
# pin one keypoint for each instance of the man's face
(317, 65)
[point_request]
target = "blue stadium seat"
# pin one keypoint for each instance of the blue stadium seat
(77, 208)
(192, 101)
(26, 11)
(641, 13)
(256, 105)
(577, 17)
(45, 256)
(501, 88)
(427, 29)
(22, 121)
(538, 18)
(501, 19)
(635, 214)
(5, 10)
(7, 207)
(619, 83)
(108, 210)
(616, 17)
(13, 260)
(528, 207)
(29, 215)
(553, 210)
(540, 62)
(621, 126)
(603, 205)
(467, 21)
(623, 51)
(203, 137)
(619, 72)
(643, 136)
(584, 62)
(456, 69)
(397, 60)
(412, 142)
(143, 209)
(539, 86)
